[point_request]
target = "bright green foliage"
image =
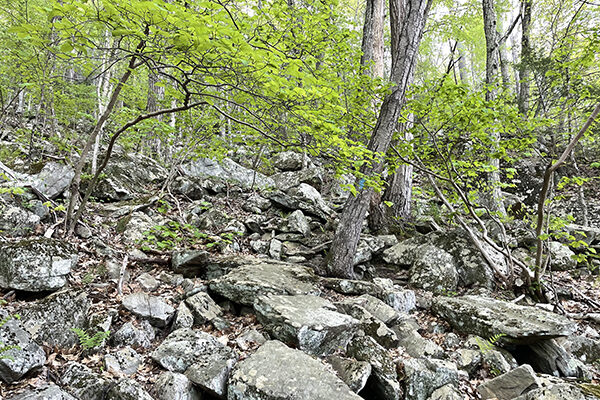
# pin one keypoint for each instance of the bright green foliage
(87, 341)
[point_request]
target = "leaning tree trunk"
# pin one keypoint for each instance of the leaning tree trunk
(492, 66)
(407, 19)
(523, 99)
(372, 40)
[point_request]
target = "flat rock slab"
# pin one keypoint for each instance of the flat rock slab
(205, 361)
(156, 311)
(18, 361)
(244, 284)
(510, 385)
(35, 265)
(51, 392)
(487, 317)
(309, 322)
(276, 372)
(376, 307)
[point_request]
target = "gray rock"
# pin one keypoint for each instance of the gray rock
(156, 311)
(184, 317)
(25, 357)
(148, 282)
(51, 392)
(51, 319)
(297, 222)
(434, 270)
(415, 344)
(309, 322)
(266, 375)
(212, 220)
(487, 317)
(353, 373)
(256, 203)
(203, 308)
(370, 325)
(556, 392)
(136, 225)
(275, 249)
(424, 376)
(211, 374)
(175, 386)
(227, 171)
(53, 179)
(244, 284)
(562, 257)
(586, 349)
(135, 171)
(245, 340)
(35, 265)
(127, 389)
(376, 307)
(188, 262)
(125, 361)
(384, 383)
(83, 383)
(303, 197)
(549, 357)
(510, 385)
(130, 335)
(16, 221)
(289, 179)
(351, 287)
(288, 161)
(368, 246)
(185, 347)
(446, 392)
(401, 300)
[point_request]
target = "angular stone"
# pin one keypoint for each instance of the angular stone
(184, 317)
(353, 373)
(303, 197)
(488, 317)
(245, 340)
(275, 249)
(211, 374)
(289, 179)
(510, 385)
(370, 325)
(83, 383)
(227, 171)
(35, 265)
(297, 222)
(384, 378)
(563, 258)
(424, 376)
(203, 308)
(446, 392)
(309, 322)
(53, 179)
(175, 386)
(288, 161)
(130, 335)
(415, 344)
(148, 282)
(434, 270)
(16, 221)
(185, 347)
(561, 391)
(51, 319)
(584, 348)
(18, 361)
(156, 311)
(244, 284)
(51, 392)
(127, 389)
(376, 307)
(551, 358)
(125, 361)
(350, 287)
(266, 375)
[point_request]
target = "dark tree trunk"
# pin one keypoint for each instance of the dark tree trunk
(407, 23)
(523, 100)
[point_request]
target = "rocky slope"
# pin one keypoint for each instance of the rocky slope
(214, 290)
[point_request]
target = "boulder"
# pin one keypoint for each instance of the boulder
(376, 307)
(53, 179)
(562, 257)
(549, 357)
(148, 307)
(22, 354)
(175, 386)
(288, 179)
(371, 326)
(244, 284)
(125, 361)
(83, 383)
(205, 361)
(309, 323)
(16, 221)
(556, 392)
(289, 161)
(297, 222)
(584, 348)
(434, 270)
(130, 335)
(303, 197)
(383, 383)
(203, 308)
(424, 376)
(50, 392)
(35, 265)
(227, 171)
(414, 344)
(488, 317)
(50, 320)
(510, 385)
(127, 389)
(368, 246)
(446, 392)
(134, 171)
(353, 373)
(267, 375)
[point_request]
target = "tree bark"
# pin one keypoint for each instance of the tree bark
(492, 66)
(372, 39)
(523, 99)
(407, 19)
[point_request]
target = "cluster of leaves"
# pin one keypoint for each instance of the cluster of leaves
(489, 344)
(87, 341)
(173, 235)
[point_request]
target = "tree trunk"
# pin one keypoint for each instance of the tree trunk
(372, 39)
(407, 19)
(492, 66)
(523, 99)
